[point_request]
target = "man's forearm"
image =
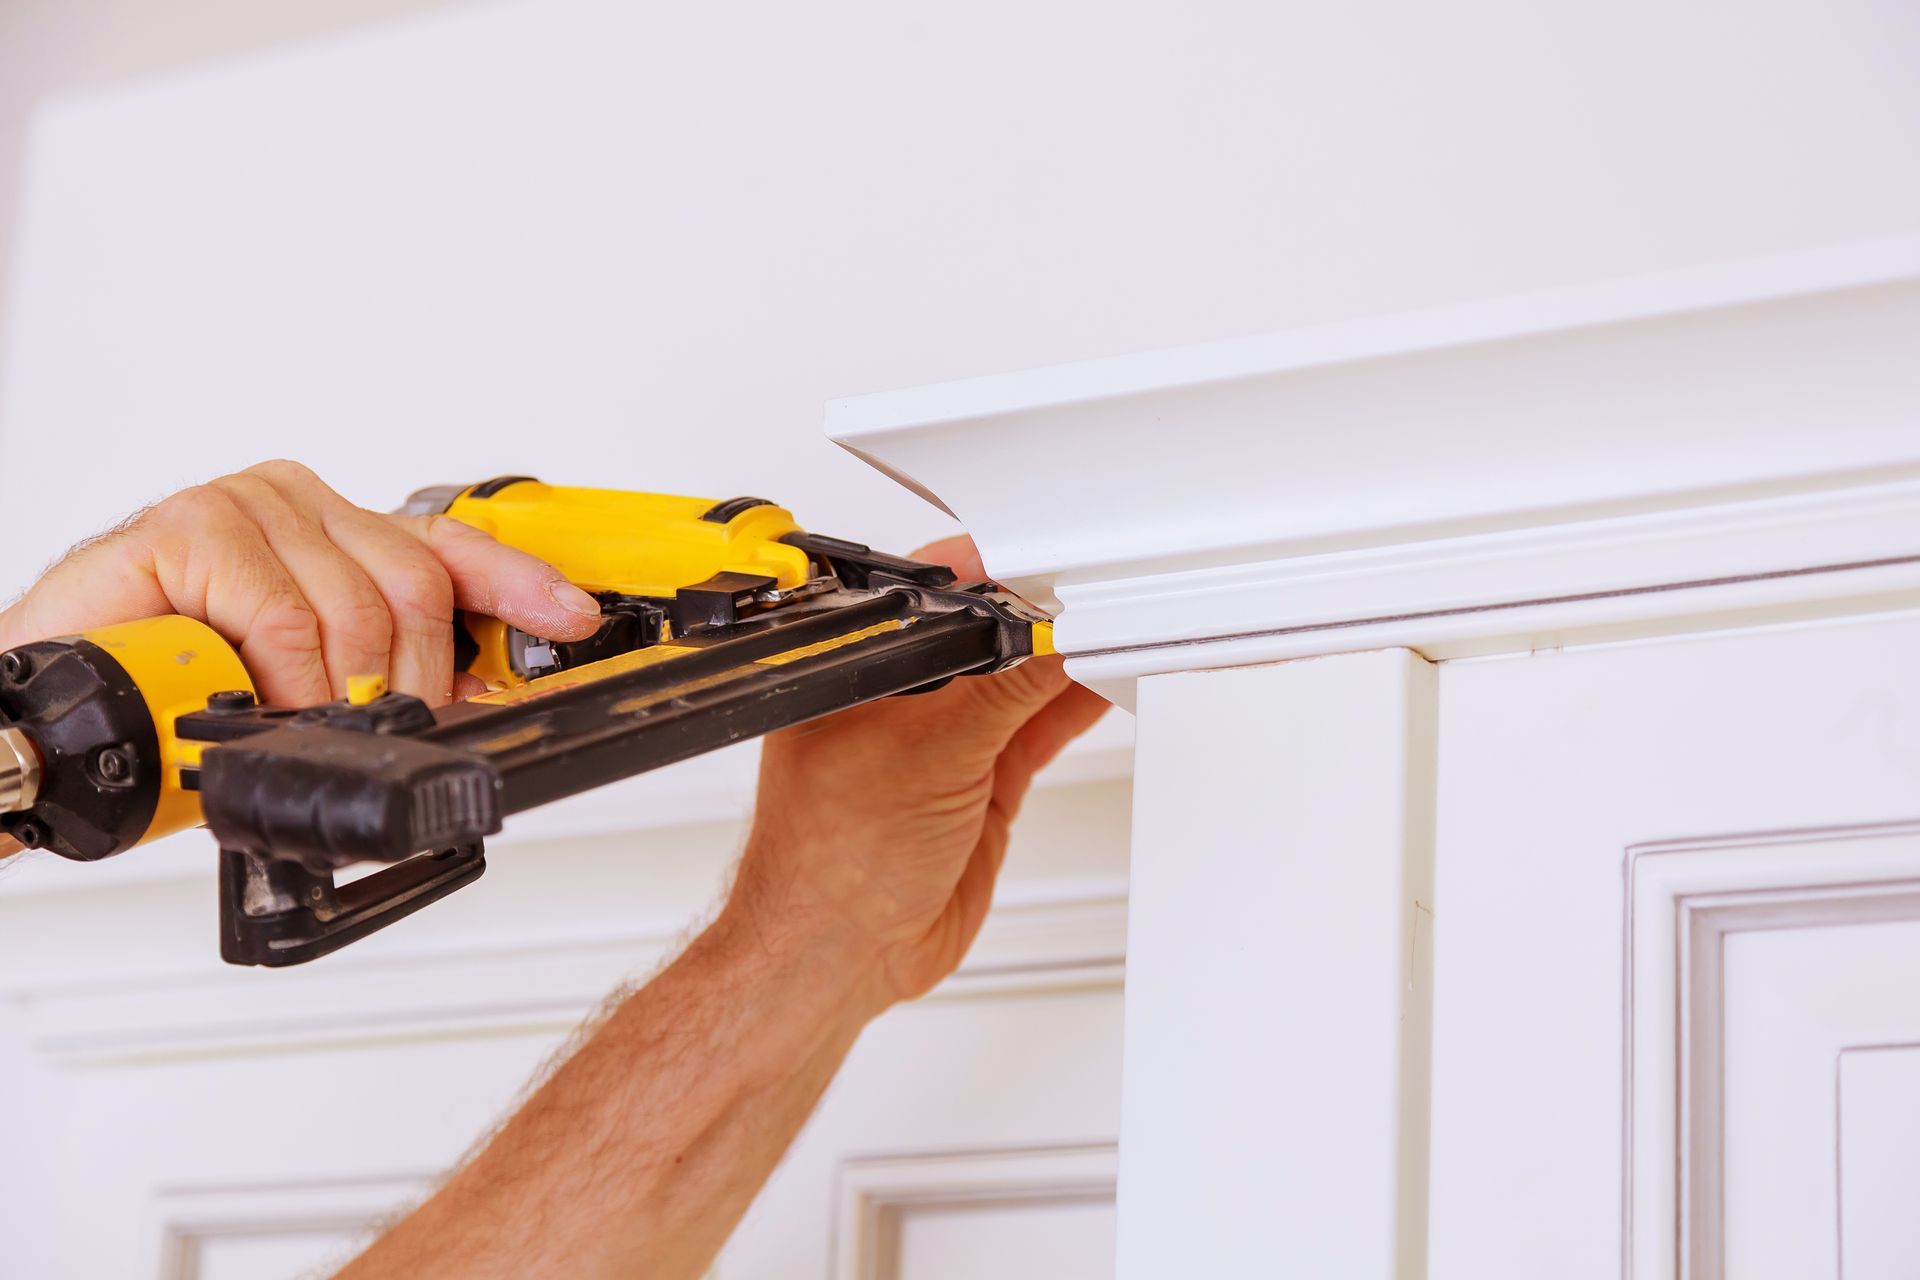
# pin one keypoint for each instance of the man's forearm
(643, 1150)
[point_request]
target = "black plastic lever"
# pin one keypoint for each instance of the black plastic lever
(276, 913)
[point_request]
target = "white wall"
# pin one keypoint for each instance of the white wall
(51, 49)
(644, 243)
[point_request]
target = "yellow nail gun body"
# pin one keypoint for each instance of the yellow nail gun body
(721, 621)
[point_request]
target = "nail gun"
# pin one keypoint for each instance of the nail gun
(721, 621)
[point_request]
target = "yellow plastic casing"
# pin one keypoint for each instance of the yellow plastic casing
(177, 664)
(638, 544)
(641, 544)
(365, 690)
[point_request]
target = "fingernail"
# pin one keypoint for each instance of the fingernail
(573, 599)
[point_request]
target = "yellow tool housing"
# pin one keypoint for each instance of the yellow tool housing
(639, 544)
(635, 544)
(177, 664)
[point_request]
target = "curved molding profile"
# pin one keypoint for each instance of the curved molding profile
(1665, 451)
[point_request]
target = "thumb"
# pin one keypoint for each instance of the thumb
(986, 711)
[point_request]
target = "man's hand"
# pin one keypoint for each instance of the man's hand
(878, 836)
(308, 587)
(877, 840)
(879, 832)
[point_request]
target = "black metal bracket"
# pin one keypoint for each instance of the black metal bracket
(278, 913)
(856, 563)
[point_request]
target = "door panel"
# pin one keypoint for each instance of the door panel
(1879, 1167)
(1011, 1213)
(1677, 908)
(1067, 1241)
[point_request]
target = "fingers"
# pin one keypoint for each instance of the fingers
(426, 567)
(308, 587)
(199, 554)
(503, 582)
(351, 615)
(413, 586)
(1042, 738)
(957, 553)
(1002, 703)
(1069, 715)
(989, 710)
(214, 563)
(419, 599)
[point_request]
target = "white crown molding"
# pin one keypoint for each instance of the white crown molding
(1465, 479)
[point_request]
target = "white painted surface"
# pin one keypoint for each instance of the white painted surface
(1567, 779)
(1739, 669)
(259, 1231)
(1879, 1113)
(1796, 1001)
(1040, 1212)
(1060, 1242)
(1278, 957)
(141, 1071)
(1484, 476)
(245, 1258)
(1755, 967)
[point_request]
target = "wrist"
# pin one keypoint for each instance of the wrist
(835, 962)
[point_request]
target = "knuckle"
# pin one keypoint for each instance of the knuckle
(420, 589)
(440, 529)
(361, 622)
(249, 492)
(1015, 692)
(192, 515)
(287, 626)
(284, 470)
(424, 630)
(202, 507)
(1002, 691)
(274, 506)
